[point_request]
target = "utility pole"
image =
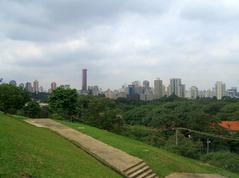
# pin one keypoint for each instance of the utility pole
(208, 145)
(176, 136)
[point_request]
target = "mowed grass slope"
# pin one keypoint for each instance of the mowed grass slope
(161, 161)
(28, 151)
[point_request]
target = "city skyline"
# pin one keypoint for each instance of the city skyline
(141, 82)
(144, 89)
(120, 41)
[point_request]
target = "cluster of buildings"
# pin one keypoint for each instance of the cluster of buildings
(34, 87)
(145, 92)
(142, 91)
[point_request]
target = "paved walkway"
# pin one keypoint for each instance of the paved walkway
(125, 164)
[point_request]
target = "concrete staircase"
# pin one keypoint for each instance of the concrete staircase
(139, 170)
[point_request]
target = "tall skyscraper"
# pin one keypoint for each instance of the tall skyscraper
(53, 86)
(84, 80)
(176, 87)
(194, 92)
(41, 90)
(28, 86)
(182, 90)
(36, 86)
(146, 84)
(158, 88)
(220, 89)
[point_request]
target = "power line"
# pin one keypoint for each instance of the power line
(206, 134)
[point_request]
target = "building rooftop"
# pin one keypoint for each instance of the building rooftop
(230, 125)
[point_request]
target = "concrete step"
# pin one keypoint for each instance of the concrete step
(132, 167)
(145, 174)
(135, 168)
(139, 172)
(153, 175)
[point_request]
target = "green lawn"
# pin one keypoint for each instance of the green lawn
(28, 151)
(161, 161)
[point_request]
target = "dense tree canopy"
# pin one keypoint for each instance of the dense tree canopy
(64, 102)
(12, 98)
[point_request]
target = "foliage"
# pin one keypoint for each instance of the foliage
(40, 97)
(168, 115)
(192, 114)
(186, 146)
(64, 102)
(32, 109)
(100, 112)
(12, 98)
(226, 160)
(148, 135)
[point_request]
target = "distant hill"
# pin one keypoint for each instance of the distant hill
(28, 151)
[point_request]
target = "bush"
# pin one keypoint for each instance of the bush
(148, 135)
(32, 109)
(57, 116)
(12, 98)
(223, 159)
(186, 147)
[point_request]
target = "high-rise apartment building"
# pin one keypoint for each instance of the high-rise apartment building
(158, 88)
(28, 87)
(41, 90)
(176, 87)
(36, 87)
(53, 86)
(146, 84)
(84, 80)
(194, 92)
(183, 90)
(220, 89)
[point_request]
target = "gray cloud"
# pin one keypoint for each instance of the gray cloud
(119, 41)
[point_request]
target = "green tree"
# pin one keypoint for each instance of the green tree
(32, 109)
(12, 98)
(64, 102)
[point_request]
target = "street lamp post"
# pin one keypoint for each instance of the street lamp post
(208, 145)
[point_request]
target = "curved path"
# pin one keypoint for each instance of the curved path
(127, 165)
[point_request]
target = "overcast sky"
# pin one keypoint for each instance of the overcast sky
(120, 41)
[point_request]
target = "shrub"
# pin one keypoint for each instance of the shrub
(32, 109)
(148, 135)
(12, 98)
(186, 146)
(223, 159)
(57, 116)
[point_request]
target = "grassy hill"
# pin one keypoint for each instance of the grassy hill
(161, 161)
(27, 151)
